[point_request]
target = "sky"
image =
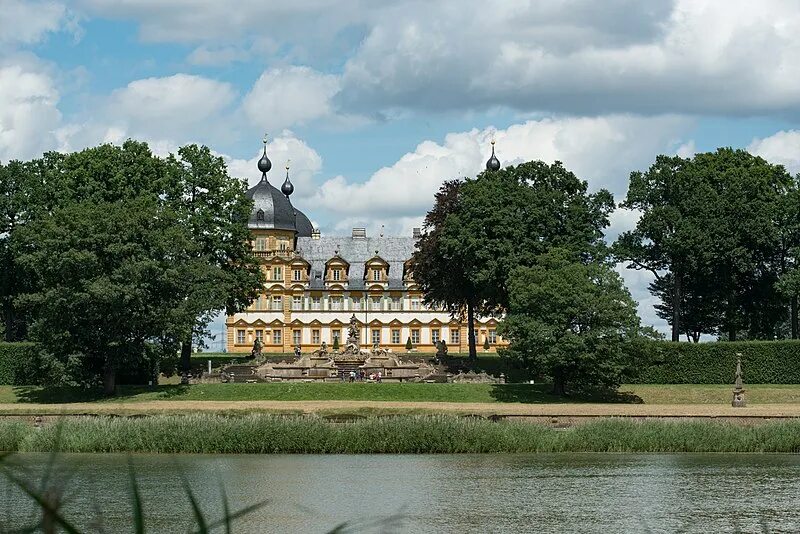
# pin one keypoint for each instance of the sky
(377, 102)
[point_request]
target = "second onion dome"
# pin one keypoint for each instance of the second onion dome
(493, 164)
(287, 188)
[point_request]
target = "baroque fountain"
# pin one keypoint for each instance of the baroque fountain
(328, 365)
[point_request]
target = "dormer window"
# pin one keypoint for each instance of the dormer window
(260, 215)
(376, 275)
(337, 275)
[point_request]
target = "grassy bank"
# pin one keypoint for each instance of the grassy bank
(483, 393)
(437, 434)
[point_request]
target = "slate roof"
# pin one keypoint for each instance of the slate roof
(278, 212)
(394, 250)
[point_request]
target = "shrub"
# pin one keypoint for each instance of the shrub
(25, 364)
(763, 362)
(409, 346)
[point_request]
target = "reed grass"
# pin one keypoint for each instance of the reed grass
(264, 434)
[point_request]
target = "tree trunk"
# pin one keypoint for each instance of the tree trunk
(109, 378)
(732, 334)
(559, 387)
(473, 351)
(794, 317)
(186, 360)
(676, 307)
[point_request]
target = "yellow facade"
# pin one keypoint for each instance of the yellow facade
(308, 301)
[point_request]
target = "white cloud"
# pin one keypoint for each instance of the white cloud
(285, 97)
(27, 22)
(602, 150)
(28, 112)
(213, 56)
(782, 147)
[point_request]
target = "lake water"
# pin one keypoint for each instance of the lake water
(426, 493)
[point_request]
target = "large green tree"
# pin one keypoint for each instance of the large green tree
(109, 275)
(185, 229)
(570, 319)
(708, 232)
(224, 273)
(440, 268)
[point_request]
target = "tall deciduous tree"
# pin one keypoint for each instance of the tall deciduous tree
(570, 319)
(440, 266)
(212, 206)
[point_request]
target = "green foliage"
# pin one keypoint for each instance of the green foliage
(24, 364)
(486, 345)
(715, 230)
(763, 362)
(409, 346)
(269, 434)
(570, 321)
(336, 343)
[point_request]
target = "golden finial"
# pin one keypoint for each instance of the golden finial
(287, 164)
(265, 139)
(492, 141)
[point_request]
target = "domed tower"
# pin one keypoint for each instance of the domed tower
(493, 164)
(272, 209)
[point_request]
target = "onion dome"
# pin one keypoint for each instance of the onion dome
(493, 164)
(264, 164)
(287, 188)
(271, 207)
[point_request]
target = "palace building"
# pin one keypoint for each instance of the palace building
(316, 283)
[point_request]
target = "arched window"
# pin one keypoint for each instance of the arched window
(260, 215)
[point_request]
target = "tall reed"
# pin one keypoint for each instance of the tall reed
(204, 433)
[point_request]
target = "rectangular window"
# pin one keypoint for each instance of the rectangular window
(297, 275)
(260, 335)
(415, 303)
(316, 303)
(240, 337)
(336, 303)
(396, 303)
(376, 336)
(277, 337)
(336, 334)
(261, 244)
(297, 302)
(376, 304)
(277, 303)
(376, 275)
(415, 336)
(435, 336)
(356, 303)
(315, 337)
(455, 336)
(492, 336)
(277, 273)
(337, 275)
(395, 336)
(283, 245)
(296, 337)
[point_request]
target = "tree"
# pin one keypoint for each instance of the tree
(440, 268)
(570, 319)
(108, 281)
(212, 206)
(486, 345)
(708, 229)
(481, 229)
(409, 345)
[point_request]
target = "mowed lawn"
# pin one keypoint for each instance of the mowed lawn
(413, 392)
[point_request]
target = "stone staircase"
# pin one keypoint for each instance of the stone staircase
(242, 373)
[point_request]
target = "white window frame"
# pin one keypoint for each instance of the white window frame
(277, 336)
(395, 336)
(415, 336)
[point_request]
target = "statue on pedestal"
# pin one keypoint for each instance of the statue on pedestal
(738, 390)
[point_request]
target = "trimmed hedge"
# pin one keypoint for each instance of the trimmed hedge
(763, 362)
(20, 364)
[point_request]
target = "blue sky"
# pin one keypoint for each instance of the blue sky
(376, 103)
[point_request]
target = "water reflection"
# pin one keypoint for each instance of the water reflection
(465, 493)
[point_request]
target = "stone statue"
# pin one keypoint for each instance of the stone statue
(353, 332)
(297, 351)
(738, 389)
(256, 352)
